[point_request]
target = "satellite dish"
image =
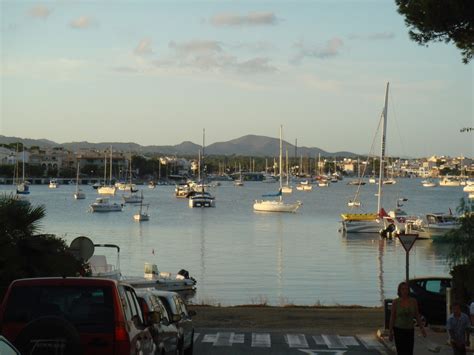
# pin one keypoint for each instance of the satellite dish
(82, 248)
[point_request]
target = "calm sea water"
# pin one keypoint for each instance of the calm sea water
(239, 256)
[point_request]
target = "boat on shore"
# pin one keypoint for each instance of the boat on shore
(152, 278)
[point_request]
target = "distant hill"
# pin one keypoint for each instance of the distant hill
(249, 145)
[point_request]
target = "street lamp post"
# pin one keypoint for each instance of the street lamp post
(407, 241)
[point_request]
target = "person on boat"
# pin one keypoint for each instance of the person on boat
(404, 310)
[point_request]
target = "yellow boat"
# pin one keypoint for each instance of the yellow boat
(359, 216)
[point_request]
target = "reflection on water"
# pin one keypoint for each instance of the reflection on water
(238, 256)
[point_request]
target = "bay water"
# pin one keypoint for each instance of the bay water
(239, 256)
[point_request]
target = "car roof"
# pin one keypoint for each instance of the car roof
(164, 293)
(421, 278)
(56, 281)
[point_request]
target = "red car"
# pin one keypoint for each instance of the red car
(74, 316)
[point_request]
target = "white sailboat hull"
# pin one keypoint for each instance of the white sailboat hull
(275, 206)
(106, 190)
(367, 226)
(287, 189)
(79, 195)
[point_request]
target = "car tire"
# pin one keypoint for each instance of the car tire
(189, 351)
(46, 328)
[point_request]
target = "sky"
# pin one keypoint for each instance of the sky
(158, 72)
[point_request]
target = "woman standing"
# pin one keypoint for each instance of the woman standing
(404, 310)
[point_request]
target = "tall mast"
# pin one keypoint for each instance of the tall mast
(382, 150)
(105, 167)
(281, 159)
(110, 182)
(287, 170)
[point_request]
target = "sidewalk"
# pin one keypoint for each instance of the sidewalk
(434, 343)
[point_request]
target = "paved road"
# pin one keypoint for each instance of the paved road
(218, 341)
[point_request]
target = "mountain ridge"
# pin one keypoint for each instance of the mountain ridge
(248, 145)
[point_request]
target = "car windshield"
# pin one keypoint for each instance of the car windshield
(89, 308)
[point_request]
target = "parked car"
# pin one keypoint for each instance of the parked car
(74, 316)
(430, 292)
(7, 348)
(180, 317)
(165, 334)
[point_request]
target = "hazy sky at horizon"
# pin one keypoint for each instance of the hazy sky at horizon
(157, 72)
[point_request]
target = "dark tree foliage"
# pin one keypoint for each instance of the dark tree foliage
(441, 21)
(461, 254)
(23, 253)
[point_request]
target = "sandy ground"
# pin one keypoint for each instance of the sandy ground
(332, 320)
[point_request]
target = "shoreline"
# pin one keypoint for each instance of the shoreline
(323, 319)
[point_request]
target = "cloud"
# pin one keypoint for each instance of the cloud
(83, 22)
(251, 19)
(209, 55)
(144, 47)
(330, 49)
(259, 46)
(125, 69)
(377, 36)
(40, 12)
(255, 65)
(195, 47)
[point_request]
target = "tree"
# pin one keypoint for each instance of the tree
(23, 253)
(441, 21)
(461, 254)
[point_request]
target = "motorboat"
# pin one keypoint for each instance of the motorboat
(469, 188)
(202, 199)
(182, 190)
(353, 203)
(151, 185)
(53, 184)
(323, 183)
(96, 185)
(438, 224)
(286, 189)
(152, 278)
(103, 204)
(428, 183)
(356, 182)
(389, 182)
(304, 187)
(449, 181)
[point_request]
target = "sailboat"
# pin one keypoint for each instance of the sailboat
(370, 222)
(107, 189)
(78, 195)
(277, 205)
(287, 189)
(202, 198)
(239, 182)
(141, 215)
(23, 187)
(130, 186)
